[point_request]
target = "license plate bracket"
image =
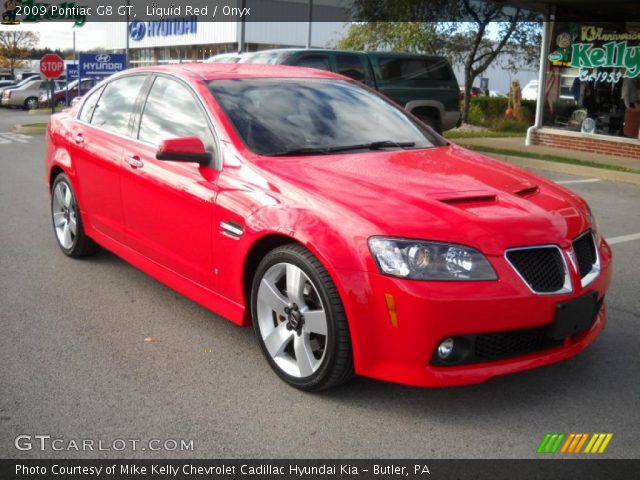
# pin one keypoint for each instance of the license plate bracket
(573, 317)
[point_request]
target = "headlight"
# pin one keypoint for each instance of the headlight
(421, 260)
(595, 226)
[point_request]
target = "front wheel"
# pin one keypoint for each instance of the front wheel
(299, 320)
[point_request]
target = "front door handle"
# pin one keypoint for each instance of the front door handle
(78, 138)
(134, 161)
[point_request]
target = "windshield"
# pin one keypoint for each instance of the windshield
(316, 116)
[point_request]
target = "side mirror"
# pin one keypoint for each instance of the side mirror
(187, 149)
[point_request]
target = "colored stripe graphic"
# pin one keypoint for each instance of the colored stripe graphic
(573, 442)
(598, 443)
(551, 442)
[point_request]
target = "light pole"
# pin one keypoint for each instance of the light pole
(126, 52)
(309, 23)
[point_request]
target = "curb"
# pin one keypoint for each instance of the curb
(29, 130)
(591, 172)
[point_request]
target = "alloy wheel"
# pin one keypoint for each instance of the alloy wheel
(64, 214)
(292, 320)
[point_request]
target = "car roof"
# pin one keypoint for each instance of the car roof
(330, 50)
(219, 71)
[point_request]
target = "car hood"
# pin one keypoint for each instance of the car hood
(445, 194)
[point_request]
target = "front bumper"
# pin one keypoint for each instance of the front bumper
(428, 312)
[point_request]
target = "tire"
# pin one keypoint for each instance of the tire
(61, 103)
(291, 296)
(31, 103)
(67, 222)
(431, 121)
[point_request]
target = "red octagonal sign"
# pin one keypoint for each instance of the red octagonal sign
(52, 65)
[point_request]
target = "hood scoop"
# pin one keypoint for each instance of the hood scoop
(528, 191)
(470, 200)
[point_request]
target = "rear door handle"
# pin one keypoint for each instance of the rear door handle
(134, 161)
(78, 138)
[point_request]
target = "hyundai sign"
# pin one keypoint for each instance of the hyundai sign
(163, 28)
(101, 64)
(72, 71)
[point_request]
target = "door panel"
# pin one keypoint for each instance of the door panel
(168, 206)
(97, 147)
(97, 156)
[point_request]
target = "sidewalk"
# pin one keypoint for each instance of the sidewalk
(516, 144)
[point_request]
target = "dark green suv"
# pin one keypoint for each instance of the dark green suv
(424, 85)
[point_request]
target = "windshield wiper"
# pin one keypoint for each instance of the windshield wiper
(373, 146)
(344, 148)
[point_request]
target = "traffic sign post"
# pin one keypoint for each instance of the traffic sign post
(52, 67)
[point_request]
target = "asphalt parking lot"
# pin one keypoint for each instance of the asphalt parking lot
(75, 363)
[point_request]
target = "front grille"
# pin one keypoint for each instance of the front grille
(542, 268)
(585, 250)
(506, 344)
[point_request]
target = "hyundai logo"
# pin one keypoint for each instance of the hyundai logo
(137, 30)
(103, 58)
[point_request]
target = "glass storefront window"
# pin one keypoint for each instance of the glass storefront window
(593, 79)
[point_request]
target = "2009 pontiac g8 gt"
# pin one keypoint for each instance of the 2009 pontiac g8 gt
(354, 238)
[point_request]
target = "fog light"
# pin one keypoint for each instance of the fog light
(445, 348)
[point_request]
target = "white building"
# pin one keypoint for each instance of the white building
(500, 75)
(189, 38)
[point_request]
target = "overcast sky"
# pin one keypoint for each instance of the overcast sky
(59, 34)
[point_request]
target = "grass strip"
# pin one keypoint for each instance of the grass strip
(551, 158)
(481, 134)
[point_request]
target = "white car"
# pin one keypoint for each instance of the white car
(530, 91)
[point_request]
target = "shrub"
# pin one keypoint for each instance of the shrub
(506, 124)
(486, 111)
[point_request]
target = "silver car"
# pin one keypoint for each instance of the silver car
(27, 95)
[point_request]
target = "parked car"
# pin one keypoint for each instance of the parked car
(19, 84)
(530, 90)
(425, 85)
(27, 95)
(225, 58)
(27, 75)
(60, 96)
(7, 83)
(352, 237)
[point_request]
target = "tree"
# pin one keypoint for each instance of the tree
(411, 37)
(518, 34)
(427, 26)
(15, 46)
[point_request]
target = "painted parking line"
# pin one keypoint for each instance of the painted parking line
(588, 180)
(623, 238)
(9, 137)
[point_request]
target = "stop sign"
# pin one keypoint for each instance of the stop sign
(52, 65)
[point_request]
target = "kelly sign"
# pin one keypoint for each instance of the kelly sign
(609, 55)
(101, 64)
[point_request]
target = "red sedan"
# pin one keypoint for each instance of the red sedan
(353, 237)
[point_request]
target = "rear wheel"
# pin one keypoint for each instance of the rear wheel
(432, 120)
(67, 222)
(61, 103)
(299, 320)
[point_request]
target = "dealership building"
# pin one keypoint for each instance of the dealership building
(589, 76)
(179, 39)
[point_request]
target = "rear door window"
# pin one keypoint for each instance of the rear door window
(417, 70)
(319, 62)
(352, 66)
(89, 105)
(117, 103)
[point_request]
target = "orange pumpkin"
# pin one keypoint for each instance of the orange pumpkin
(509, 112)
